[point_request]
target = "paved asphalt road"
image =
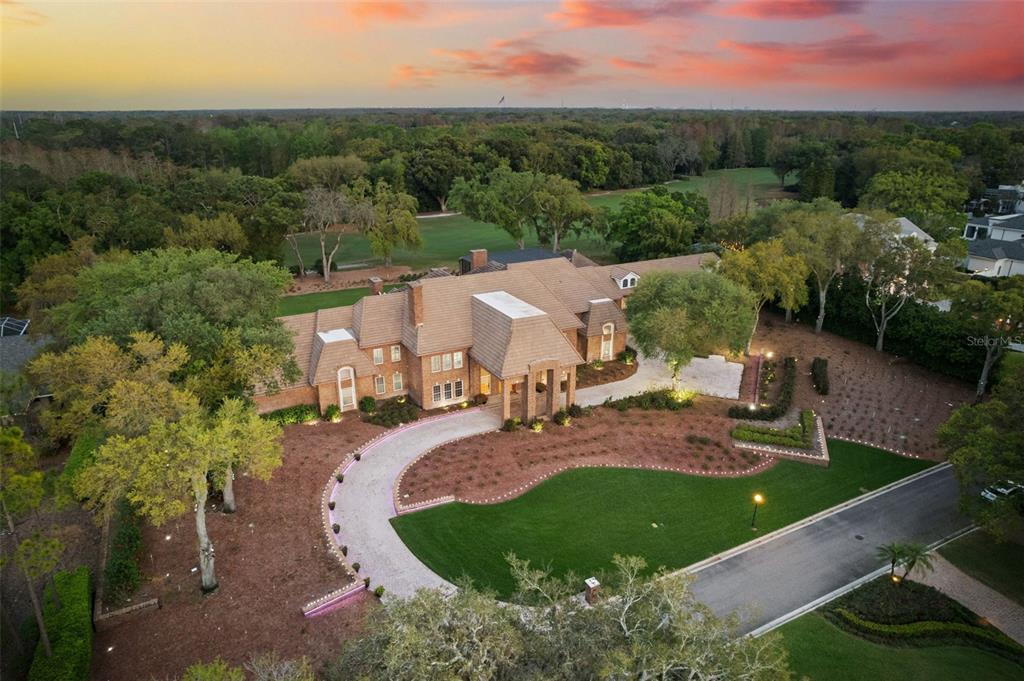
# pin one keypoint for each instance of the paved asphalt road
(786, 573)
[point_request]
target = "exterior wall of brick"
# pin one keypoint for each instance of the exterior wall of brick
(286, 398)
(388, 369)
(430, 379)
(592, 346)
(414, 374)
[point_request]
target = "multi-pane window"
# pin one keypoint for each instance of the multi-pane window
(437, 394)
(378, 355)
(447, 361)
(396, 381)
(458, 389)
(396, 353)
(447, 391)
(378, 384)
(435, 363)
(457, 360)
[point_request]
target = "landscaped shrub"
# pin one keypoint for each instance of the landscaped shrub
(121, 574)
(70, 630)
(819, 374)
(340, 477)
(597, 364)
(355, 567)
(367, 404)
(379, 591)
(627, 356)
(536, 425)
(561, 417)
(512, 424)
(575, 411)
(480, 400)
(83, 452)
(300, 413)
(333, 413)
(336, 527)
(664, 399)
(800, 435)
(393, 412)
(782, 403)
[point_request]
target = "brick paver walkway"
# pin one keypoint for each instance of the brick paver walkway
(1003, 613)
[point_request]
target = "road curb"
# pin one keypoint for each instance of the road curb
(836, 593)
(800, 524)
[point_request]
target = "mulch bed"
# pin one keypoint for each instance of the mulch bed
(272, 558)
(607, 436)
(876, 397)
(613, 370)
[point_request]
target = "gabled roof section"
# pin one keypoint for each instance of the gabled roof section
(568, 282)
(600, 313)
(334, 349)
(996, 249)
(510, 334)
(377, 320)
(447, 311)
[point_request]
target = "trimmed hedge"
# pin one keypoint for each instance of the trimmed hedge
(333, 413)
(393, 412)
(800, 435)
(928, 632)
(70, 630)
(83, 452)
(367, 404)
(300, 413)
(782, 404)
(121, 575)
(665, 399)
(819, 375)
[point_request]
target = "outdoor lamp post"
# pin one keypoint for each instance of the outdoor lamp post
(758, 500)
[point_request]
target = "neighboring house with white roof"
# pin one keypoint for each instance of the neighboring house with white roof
(999, 227)
(995, 258)
(906, 229)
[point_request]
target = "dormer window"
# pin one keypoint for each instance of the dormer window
(628, 280)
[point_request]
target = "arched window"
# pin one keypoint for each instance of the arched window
(346, 388)
(607, 340)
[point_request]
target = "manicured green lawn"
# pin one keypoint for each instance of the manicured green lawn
(997, 564)
(579, 519)
(820, 651)
(447, 238)
(310, 302)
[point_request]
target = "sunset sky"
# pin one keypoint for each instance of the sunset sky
(780, 54)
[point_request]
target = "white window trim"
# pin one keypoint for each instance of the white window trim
(378, 355)
(396, 353)
(436, 393)
(350, 375)
(380, 386)
(457, 360)
(396, 381)
(449, 391)
(435, 364)
(458, 389)
(446, 362)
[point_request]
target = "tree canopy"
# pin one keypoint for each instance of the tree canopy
(656, 223)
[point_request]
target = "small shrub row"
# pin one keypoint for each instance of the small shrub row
(562, 417)
(393, 412)
(511, 425)
(537, 425)
(367, 404)
(665, 399)
(332, 413)
(800, 435)
(121, 575)
(782, 403)
(819, 375)
(627, 357)
(300, 413)
(83, 452)
(69, 627)
(928, 632)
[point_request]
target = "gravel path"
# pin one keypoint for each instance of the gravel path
(1003, 613)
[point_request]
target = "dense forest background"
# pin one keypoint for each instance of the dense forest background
(131, 181)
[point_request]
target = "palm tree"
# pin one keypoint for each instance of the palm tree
(893, 553)
(916, 555)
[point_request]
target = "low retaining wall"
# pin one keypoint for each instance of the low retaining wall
(106, 620)
(327, 602)
(817, 455)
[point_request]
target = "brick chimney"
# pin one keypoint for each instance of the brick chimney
(376, 286)
(477, 258)
(415, 304)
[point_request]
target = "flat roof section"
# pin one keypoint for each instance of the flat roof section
(509, 305)
(335, 335)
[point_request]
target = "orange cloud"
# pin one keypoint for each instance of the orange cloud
(371, 11)
(17, 14)
(857, 48)
(517, 61)
(612, 13)
(407, 75)
(794, 9)
(631, 64)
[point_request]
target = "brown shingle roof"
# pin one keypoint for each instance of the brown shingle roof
(600, 313)
(447, 318)
(332, 350)
(507, 342)
(566, 281)
(377, 320)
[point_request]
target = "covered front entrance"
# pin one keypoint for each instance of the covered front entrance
(533, 403)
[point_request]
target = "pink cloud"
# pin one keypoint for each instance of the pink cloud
(794, 9)
(631, 64)
(407, 75)
(373, 11)
(856, 48)
(619, 13)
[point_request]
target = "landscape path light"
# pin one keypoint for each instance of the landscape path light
(758, 500)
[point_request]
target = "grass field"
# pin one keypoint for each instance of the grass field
(577, 520)
(821, 652)
(447, 238)
(311, 302)
(996, 564)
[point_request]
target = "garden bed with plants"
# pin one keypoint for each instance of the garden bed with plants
(911, 614)
(600, 372)
(799, 435)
